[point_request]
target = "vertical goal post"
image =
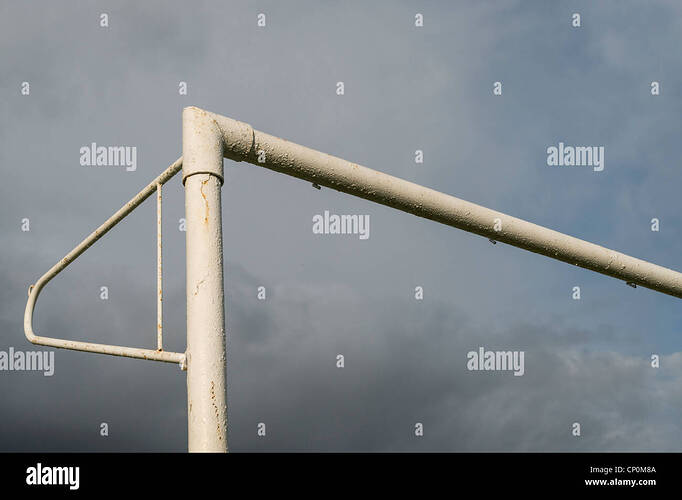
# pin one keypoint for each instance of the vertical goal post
(207, 139)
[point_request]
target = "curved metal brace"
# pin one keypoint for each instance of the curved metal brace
(34, 290)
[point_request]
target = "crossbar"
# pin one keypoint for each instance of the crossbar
(243, 143)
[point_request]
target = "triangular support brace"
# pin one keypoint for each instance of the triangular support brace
(128, 352)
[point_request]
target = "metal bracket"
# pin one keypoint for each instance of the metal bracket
(128, 352)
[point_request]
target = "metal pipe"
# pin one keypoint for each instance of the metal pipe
(207, 138)
(34, 290)
(243, 143)
(159, 273)
(202, 175)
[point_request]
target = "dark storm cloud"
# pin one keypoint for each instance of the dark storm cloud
(586, 361)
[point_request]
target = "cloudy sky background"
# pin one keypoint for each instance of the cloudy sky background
(406, 88)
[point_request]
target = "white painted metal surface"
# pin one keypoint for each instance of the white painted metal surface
(206, 388)
(207, 138)
(159, 270)
(243, 143)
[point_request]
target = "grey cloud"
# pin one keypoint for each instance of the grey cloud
(406, 89)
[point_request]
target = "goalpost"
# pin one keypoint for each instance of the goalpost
(207, 138)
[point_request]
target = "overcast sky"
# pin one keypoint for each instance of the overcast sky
(406, 88)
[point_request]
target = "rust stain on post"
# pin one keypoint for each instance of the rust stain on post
(201, 190)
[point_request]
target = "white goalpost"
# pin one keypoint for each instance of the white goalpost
(207, 139)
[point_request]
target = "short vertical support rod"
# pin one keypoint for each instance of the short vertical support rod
(202, 146)
(159, 272)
